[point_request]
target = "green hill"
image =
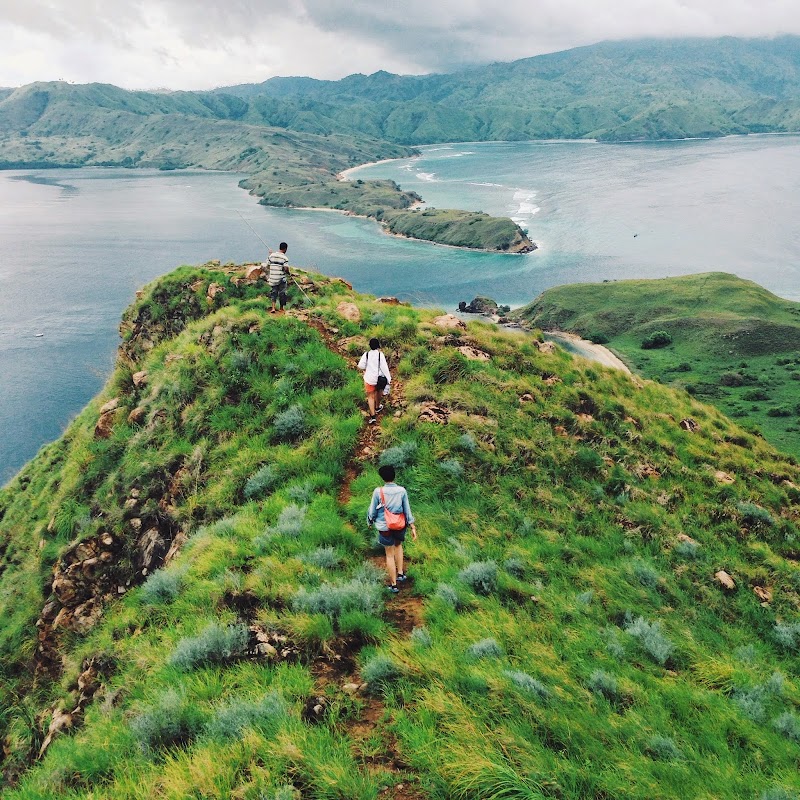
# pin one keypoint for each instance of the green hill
(732, 342)
(193, 604)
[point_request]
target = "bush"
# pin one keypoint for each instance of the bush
(731, 379)
(162, 586)
(778, 793)
(779, 411)
(378, 672)
(515, 566)
(290, 521)
(614, 646)
(645, 574)
(597, 337)
(606, 685)
(787, 635)
(322, 557)
(651, 639)
(481, 576)
(421, 638)
(216, 644)
(333, 600)
(588, 461)
(528, 684)
(656, 339)
(452, 469)
(290, 424)
(755, 395)
(788, 725)
(399, 456)
(230, 720)
(485, 648)
(755, 515)
(687, 550)
(260, 482)
(663, 748)
(585, 598)
(173, 721)
(448, 595)
(468, 442)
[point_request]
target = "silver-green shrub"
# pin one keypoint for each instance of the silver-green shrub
(652, 640)
(485, 648)
(172, 721)
(161, 586)
(528, 684)
(216, 644)
(481, 576)
(231, 719)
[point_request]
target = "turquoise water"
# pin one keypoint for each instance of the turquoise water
(76, 244)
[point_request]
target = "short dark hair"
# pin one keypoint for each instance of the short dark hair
(283, 246)
(374, 344)
(386, 472)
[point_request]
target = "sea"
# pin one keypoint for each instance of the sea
(77, 244)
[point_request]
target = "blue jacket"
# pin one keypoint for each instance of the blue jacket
(396, 500)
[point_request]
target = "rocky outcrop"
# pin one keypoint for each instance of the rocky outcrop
(349, 311)
(449, 322)
(480, 305)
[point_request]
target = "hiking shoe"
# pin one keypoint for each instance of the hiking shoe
(401, 576)
(379, 409)
(372, 420)
(393, 589)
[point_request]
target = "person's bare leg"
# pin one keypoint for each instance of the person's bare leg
(371, 403)
(398, 558)
(390, 564)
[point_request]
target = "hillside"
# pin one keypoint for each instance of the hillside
(58, 124)
(193, 605)
(733, 343)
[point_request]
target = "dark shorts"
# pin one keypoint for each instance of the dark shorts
(391, 538)
(278, 293)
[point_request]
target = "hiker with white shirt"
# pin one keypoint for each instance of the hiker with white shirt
(376, 377)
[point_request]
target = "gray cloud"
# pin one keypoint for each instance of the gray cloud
(203, 43)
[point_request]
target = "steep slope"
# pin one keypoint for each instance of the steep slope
(195, 552)
(729, 341)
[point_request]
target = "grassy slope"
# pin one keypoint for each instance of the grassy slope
(617, 666)
(55, 124)
(725, 330)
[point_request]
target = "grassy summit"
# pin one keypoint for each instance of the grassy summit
(732, 342)
(210, 603)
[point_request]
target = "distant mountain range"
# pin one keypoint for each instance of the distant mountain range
(292, 135)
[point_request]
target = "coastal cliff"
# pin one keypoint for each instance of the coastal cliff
(603, 590)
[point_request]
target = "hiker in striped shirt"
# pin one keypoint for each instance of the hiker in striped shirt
(277, 276)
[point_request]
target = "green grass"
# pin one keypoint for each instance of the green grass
(570, 644)
(734, 344)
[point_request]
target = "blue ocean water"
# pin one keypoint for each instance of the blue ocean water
(76, 244)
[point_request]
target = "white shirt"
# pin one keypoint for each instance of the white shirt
(373, 362)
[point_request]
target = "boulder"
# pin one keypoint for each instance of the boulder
(139, 378)
(213, 290)
(349, 311)
(473, 354)
(111, 405)
(723, 477)
(725, 580)
(449, 322)
(690, 425)
(546, 347)
(148, 547)
(431, 412)
(390, 301)
(254, 272)
(136, 417)
(480, 305)
(763, 593)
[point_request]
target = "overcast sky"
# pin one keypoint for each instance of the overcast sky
(196, 44)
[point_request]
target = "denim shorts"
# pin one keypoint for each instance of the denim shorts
(391, 538)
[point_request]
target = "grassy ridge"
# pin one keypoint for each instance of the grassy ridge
(733, 344)
(571, 641)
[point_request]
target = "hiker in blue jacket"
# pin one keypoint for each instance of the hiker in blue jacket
(393, 499)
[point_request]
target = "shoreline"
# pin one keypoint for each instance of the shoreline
(575, 345)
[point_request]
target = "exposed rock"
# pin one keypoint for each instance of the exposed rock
(682, 537)
(723, 477)
(197, 284)
(546, 347)
(342, 280)
(111, 405)
(139, 378)
(763, 593)
(213, 290)
(105, 424)
(351, 688)
(725, 580)
(353, 343)
(585, 419)
(688, 424)
(136, 417)
(253, 272)
(349, 311)
(551, 380)
(561, 431)
(448, 321)
(148, 547)
(390, 301)
(527, 398)
(431, 412)
(177, 543)
(60, 721)
(473, 354)
(480, 305)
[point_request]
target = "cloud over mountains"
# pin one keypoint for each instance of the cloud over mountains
(204, 43)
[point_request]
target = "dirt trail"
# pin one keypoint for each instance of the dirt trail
(336, 671)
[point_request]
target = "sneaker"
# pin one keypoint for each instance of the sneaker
(393, 589)
(401, 576)
(379, 409)
(372, 420)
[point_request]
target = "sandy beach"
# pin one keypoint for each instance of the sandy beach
(583, 347)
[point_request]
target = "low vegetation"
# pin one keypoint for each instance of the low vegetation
(724, 340)
(562, 633)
